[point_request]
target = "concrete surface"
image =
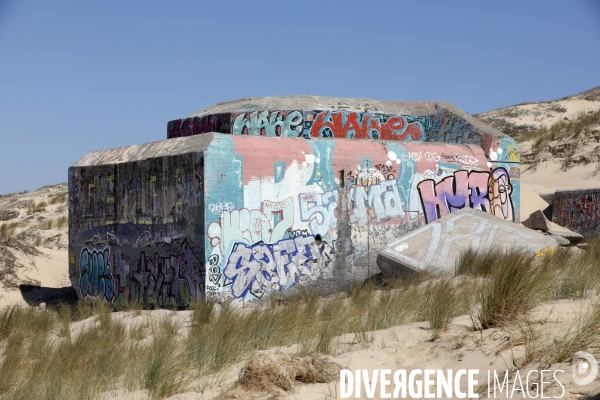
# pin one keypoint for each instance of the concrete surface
(238, 205)
(316, 116)
(437, 245)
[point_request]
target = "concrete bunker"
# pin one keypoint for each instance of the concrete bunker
(238, 204)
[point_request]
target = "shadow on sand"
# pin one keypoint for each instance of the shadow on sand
(53, 297)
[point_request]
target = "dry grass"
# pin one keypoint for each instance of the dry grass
(577, 276)
(45, 225)
(61, 222)
(8, 229)
(9, 263)
(59, 198)
(560, 129)
(34, 208)
(513, 284)
(43, 354)
(282, 373)
(48, 224)
(441, 305)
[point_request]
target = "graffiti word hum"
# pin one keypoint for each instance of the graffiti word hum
(479, 190)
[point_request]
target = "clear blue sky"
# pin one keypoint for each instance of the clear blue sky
(77, 76)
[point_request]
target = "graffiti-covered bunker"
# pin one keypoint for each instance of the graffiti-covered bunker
(249, 198)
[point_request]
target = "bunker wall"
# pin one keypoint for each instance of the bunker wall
(136, 228)
(435, 122)
(578, 210)
(283, 212)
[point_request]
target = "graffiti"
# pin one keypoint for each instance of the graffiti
(213, 269)
(262, 268)
(297, 232)
(439, 244)
(96, 278)
(385, 168)
(578, 210)
(461, 159)
(144, 239)
(379, 234)
(166, 278)
(475, 189)
(198, 125)
(372, 204)
(375, 203)
(427, 155)
(499, 193)
(171, 279)
(512, 153)
(218, 207)
(345, 124)
(367, 177)
(269, 223)
(342, 121)
(265, 123)
(319, 210)
(451, 128)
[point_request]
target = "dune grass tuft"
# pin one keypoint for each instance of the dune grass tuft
(45, 353)
(514, 284)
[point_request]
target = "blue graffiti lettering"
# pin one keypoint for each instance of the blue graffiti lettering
(267, 268)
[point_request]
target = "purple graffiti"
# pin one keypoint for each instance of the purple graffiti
(162, 277)
(197, 125)
(475, 189)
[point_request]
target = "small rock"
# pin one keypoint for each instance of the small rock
(538, 221)
(42, 306)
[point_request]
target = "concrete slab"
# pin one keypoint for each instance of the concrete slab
(439, 243)
(538, 221)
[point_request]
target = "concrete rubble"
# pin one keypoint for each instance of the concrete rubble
(437, 245)
(538, 221)
(563, 236)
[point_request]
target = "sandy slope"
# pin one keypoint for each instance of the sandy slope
(36, 225)
(522, 117)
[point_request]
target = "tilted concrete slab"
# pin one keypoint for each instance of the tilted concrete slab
(537, 221)
(438, 244)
